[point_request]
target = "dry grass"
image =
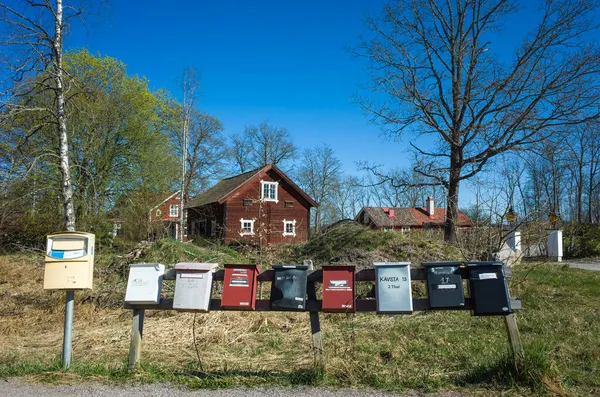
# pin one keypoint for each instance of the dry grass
(428, 351)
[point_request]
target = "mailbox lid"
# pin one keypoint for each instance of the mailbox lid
(393, 287)
(144, 282)
(444, 284)
(339, 292)
(488, 288)
(196, 266)
(69, 246)
(239, 286)
(288, 288)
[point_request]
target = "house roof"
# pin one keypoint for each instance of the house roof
(411, 217)
(220, 192)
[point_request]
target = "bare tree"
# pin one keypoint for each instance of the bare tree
(319, 175)
(261, 145)
(35, 39)
(433, 63)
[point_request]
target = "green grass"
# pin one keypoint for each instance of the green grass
(427, 351)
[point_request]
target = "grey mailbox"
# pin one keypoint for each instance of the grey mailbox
(193, 286)
(392, 287)
(444, 285)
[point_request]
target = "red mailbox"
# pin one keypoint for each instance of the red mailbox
(239, 287)
(339, 294)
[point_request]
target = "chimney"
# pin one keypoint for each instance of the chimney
(430, 207)
(391, 213)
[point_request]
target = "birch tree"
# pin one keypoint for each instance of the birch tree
(435, 71)
(34, 44)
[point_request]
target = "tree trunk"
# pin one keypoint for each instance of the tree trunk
(451, 222)
(67, 188)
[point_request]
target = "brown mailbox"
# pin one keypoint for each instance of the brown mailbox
(338, 289)
(239, 287)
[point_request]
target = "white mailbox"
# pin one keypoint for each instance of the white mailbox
(69, 261)
(193, 286)
(392, 287)
(144, 283)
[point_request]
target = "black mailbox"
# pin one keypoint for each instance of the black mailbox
(489, 291)
(288, 289)
(444, 285)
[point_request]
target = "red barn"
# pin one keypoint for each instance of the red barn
(406, 219)
(262, 206)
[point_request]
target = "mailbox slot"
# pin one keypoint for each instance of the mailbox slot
(339, 293)
(144, 283)
(193, 286)
(69, 261)
(239, 287)
(393, 288)
(488, 289)
(288, 289)
(444, 285)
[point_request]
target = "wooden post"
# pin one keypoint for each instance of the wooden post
(315, 328)
(135, 346)
(515, 340)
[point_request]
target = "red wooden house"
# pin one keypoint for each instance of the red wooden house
(263, 206)
(165, 216)
(406, 219)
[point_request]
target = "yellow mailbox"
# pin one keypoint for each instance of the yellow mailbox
(69, 262)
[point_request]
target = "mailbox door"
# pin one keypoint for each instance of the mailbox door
(488, 289)
(444, 286)
(338, 289)
(393, 288)
(67, 275)
(239, 287)
(144, 283)
(193, 290)
(288, 289)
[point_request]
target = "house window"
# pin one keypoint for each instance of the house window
(289, 228)
(247, 202)
(158, 213)
(388, 229)
(174, 211)
(288, 204)
(405, 229)
(247, 227)
(269, 191)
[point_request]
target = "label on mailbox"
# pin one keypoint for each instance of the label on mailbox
(488, 276)
(394, 294)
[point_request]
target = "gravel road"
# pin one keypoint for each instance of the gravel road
(14, 388)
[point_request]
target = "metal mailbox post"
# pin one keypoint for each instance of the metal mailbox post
(239, 287)
(488, 288)
(144, 283)
(444, 285)
(339, 292)
(288, 289)
(393, 287)
(193, 286)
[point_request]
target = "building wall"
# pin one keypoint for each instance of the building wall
(205, 221)
(268, 216)
(169, 223)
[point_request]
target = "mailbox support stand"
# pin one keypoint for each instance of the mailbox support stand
(315, 328)
(68, 331)
(515, 339)
(135, 347)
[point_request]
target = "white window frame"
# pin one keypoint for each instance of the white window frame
(242, 232)
(405, 229)
(285, 224)
(158, 213)
(262, 191)
(171, 207)
(388, 229)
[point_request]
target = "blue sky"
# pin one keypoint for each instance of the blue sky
(282, 61)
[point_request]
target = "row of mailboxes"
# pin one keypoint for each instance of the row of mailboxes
(193, 287)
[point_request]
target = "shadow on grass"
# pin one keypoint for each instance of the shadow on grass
(535, 372)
